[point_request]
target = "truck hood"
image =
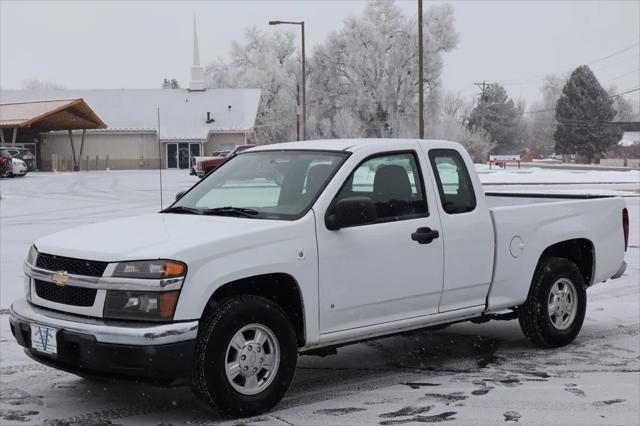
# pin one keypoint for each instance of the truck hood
(158, 235)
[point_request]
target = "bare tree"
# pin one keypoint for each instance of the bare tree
(36, 84)
(368, 68)
(269, 61)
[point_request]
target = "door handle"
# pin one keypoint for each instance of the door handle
(425, 235)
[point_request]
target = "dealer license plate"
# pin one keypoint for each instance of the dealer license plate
(43, 339)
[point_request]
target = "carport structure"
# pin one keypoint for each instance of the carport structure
(45, 116)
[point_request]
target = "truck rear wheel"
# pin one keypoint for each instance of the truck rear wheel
(554, 311)
(246, 354)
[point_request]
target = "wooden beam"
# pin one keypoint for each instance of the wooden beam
(73, 149)
(82, 141)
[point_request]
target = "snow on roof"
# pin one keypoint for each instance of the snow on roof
(50, 115)
(183, 114)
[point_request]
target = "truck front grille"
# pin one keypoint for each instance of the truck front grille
(68, 295)
(89, 268)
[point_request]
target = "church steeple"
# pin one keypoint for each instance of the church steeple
(197, 71)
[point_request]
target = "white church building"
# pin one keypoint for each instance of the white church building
(193, 121)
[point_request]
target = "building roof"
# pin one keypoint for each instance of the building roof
(183, 113)
(63, 114)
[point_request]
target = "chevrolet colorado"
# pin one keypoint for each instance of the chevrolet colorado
(302, 247)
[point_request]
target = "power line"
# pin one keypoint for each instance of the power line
(539, 77)
(614, 53)
(611, 96)
(625, 92)
(623, 75)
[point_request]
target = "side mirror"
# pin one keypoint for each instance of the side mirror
(351, 211)
(180, 194)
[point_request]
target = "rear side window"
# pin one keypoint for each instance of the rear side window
(454, 183)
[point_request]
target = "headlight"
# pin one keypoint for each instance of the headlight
(32, 255)
(140, 305)
(150, 269)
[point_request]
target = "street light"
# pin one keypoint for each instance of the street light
(304, 92)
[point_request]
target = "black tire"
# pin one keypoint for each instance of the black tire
(533, 315)
(217, 328)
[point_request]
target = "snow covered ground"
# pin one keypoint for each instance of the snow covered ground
(466, 374)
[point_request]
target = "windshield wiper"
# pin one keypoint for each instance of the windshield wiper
(231, 211)
(181, 209)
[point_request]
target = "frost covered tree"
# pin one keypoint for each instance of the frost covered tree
(363, 79)
(170, 83)
(625, 110)
(503, 120)
(267, 60)
(37, 84)
(451, 125)
(584, 113)
(542, 123)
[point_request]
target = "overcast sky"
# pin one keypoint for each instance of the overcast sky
(135, 44)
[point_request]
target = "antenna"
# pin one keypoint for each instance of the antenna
(159, 158)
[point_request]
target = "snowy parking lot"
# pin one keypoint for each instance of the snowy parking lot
(466, 374)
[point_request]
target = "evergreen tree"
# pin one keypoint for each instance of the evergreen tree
(502, 120)
(170, 83)
(584, 113)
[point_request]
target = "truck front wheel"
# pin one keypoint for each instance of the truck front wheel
(554, 311)
(246, 354)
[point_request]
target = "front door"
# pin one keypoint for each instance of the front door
(172, 155)
(183, 155)
(179, 154)
(194, 151)
(373, 273)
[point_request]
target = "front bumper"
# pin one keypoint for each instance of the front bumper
(110, 349)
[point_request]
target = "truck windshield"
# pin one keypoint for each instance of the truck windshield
(264, 185)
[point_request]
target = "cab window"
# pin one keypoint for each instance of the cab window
(393, 182)
(454, 183)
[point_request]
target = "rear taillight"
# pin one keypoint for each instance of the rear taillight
(625, 227)
(199, 166)
(1, 160)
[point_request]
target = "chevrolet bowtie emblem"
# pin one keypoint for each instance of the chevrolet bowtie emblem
(60, 278)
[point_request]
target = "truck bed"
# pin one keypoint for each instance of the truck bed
(502, 199)
(525, 224)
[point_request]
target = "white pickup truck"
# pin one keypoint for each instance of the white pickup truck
(304, 247)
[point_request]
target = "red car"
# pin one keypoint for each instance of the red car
(6, 165)
(206, 166)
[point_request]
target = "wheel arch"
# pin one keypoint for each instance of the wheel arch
(580, 251)
(281, 288)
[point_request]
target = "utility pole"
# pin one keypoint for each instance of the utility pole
(420, 76)
(297, 112)
(483, 86)
(304, 75)
(304, 90)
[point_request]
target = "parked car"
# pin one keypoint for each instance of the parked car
(196, 160)
(20, 168)
(205, 166)
(359, 239)
(22, 154)
(6, 165)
